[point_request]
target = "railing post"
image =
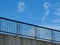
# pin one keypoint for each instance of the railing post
(0, 24)
(51, 37)
(35, 36)
(16, 28)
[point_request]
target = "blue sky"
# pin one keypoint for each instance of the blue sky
(39, 12)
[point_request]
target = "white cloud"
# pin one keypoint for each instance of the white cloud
(57, 5)
(21, 6)
(46, 5)
(57, 26)
(52, 26)
(47, 12)
(57, 11)
(56, 20)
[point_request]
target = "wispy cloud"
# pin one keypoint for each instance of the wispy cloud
(57, 12)
(56, 20)
(52, 26)
(21, 6)
(56, 26)
(46, 6)
(47, 12)
(57, 9)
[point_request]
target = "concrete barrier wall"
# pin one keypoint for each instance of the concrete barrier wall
(14, 40)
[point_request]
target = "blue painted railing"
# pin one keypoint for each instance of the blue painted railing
(13, 27)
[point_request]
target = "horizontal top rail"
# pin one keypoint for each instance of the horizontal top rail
(28, 24)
